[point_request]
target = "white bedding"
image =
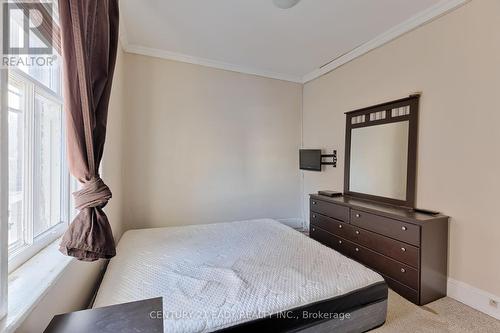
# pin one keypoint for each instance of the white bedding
(218, 275)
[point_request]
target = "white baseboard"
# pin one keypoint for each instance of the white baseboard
(294, 222)
(474, 297)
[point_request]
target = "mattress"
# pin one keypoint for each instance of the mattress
(239, 274)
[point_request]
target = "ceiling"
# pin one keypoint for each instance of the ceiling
(254, 36)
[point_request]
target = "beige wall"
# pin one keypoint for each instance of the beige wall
(205, 145)
(455, 63)
(74, 288)
(113, 149)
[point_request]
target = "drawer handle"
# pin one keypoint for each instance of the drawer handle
(314, 216)
(404, 228)
(403, 270)
(358, 215)
(357, 232)
(340, 226)
(403, 249)
(340, 242)
(357, 249)
(314, 202)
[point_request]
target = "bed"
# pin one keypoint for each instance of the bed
(248, 276)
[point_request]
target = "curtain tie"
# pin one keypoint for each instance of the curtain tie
(94, 193)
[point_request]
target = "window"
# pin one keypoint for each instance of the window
(34, 180)
(39, 184)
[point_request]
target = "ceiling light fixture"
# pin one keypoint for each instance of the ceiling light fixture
(285, 4)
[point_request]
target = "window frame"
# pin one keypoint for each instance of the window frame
(14, 81)
(4, 189)
(30, 245)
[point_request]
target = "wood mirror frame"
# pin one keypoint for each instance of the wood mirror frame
(362, 118)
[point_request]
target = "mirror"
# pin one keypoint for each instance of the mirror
(381, 152)
(379, 158)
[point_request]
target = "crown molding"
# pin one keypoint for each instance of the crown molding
(141, 50)
(426, 16)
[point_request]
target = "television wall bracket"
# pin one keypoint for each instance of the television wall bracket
(332, 156)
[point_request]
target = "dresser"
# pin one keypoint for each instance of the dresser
(407, 248)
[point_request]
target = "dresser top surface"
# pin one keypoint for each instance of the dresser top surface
(402, 213)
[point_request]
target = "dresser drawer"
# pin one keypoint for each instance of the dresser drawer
(400, 272)
(329, 209)
(404, 232)
(331, 225)
(403, 290)
(326, 238)
(394, 249)
(405, 253)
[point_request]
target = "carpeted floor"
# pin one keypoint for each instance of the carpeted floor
(444, 315)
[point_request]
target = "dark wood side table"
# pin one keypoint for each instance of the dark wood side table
(141, 316)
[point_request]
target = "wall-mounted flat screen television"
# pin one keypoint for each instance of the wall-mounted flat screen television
(310, 159)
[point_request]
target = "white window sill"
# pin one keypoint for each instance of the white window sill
(25, 253)
(30, 282)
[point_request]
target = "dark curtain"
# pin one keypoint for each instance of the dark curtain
(89, 40)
